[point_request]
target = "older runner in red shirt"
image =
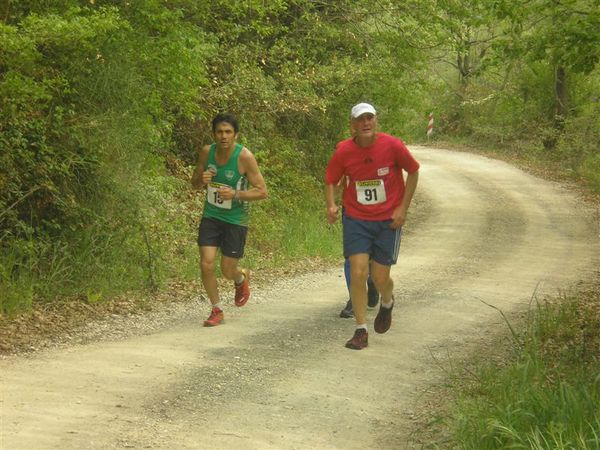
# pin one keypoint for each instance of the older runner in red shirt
(376, 202)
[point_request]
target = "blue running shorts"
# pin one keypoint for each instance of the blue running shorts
(376, 239)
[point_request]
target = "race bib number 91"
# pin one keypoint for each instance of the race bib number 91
(370, 192)
(212, 196)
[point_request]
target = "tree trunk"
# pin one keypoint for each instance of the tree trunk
(560, 109)
(560, 88)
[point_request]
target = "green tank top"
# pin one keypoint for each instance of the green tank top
(230, 211)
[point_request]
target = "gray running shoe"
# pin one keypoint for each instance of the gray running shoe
(347, 312)
(372, 294)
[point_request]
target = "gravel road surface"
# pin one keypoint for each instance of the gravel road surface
(276, 375)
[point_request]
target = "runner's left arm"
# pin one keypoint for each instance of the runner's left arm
(249, 167)
(399, 214)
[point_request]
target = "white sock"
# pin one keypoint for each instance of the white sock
(218, 306)
(363, 326)
(389, 304)
(241, 279)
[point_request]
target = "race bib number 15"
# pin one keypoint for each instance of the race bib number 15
(370, 192)
(212, 196)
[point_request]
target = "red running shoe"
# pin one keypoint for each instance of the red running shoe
(359, 341)
(215, 318)
(242, 291)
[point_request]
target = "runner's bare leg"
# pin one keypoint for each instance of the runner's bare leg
(207, 268)
(380, 275)
(359, 268)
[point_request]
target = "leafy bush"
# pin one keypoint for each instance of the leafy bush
(547, 395)
(103, 106)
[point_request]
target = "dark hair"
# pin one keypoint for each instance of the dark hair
(230, 119)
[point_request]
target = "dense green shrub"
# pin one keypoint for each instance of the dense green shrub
(104, 105)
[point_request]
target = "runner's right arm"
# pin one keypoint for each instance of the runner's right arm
(334, 176)
(201, 177)
(332, 208)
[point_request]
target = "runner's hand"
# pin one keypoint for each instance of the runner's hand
(226, 193)
(207, 176)
(398, 218)
(332, 213)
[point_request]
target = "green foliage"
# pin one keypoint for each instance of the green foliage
(104, 104)
(308, 235)
(17, 280)
(532, 78)
(547, 396)
(567, 33)
(577, 146)
(589, 169)
(88, 101)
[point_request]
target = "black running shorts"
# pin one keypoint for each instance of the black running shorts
(230, 238)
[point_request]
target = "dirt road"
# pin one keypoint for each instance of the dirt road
(277, 375)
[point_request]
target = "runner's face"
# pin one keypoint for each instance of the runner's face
(225, 136)
(364, 126)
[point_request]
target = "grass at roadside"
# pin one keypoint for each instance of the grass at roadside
(102, 264)
(294, 233)
(280, 245)
(545, 394)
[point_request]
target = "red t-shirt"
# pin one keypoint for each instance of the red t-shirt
(375, 180)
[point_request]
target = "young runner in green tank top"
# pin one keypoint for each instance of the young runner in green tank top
(231, 176)
(231, 211)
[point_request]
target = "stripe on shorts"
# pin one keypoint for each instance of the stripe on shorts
(397, 240)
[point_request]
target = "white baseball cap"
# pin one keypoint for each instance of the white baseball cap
(362, 108)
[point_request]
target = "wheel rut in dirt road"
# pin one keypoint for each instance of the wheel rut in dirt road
(277, 375)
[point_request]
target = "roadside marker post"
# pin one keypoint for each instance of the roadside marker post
(430, 126)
